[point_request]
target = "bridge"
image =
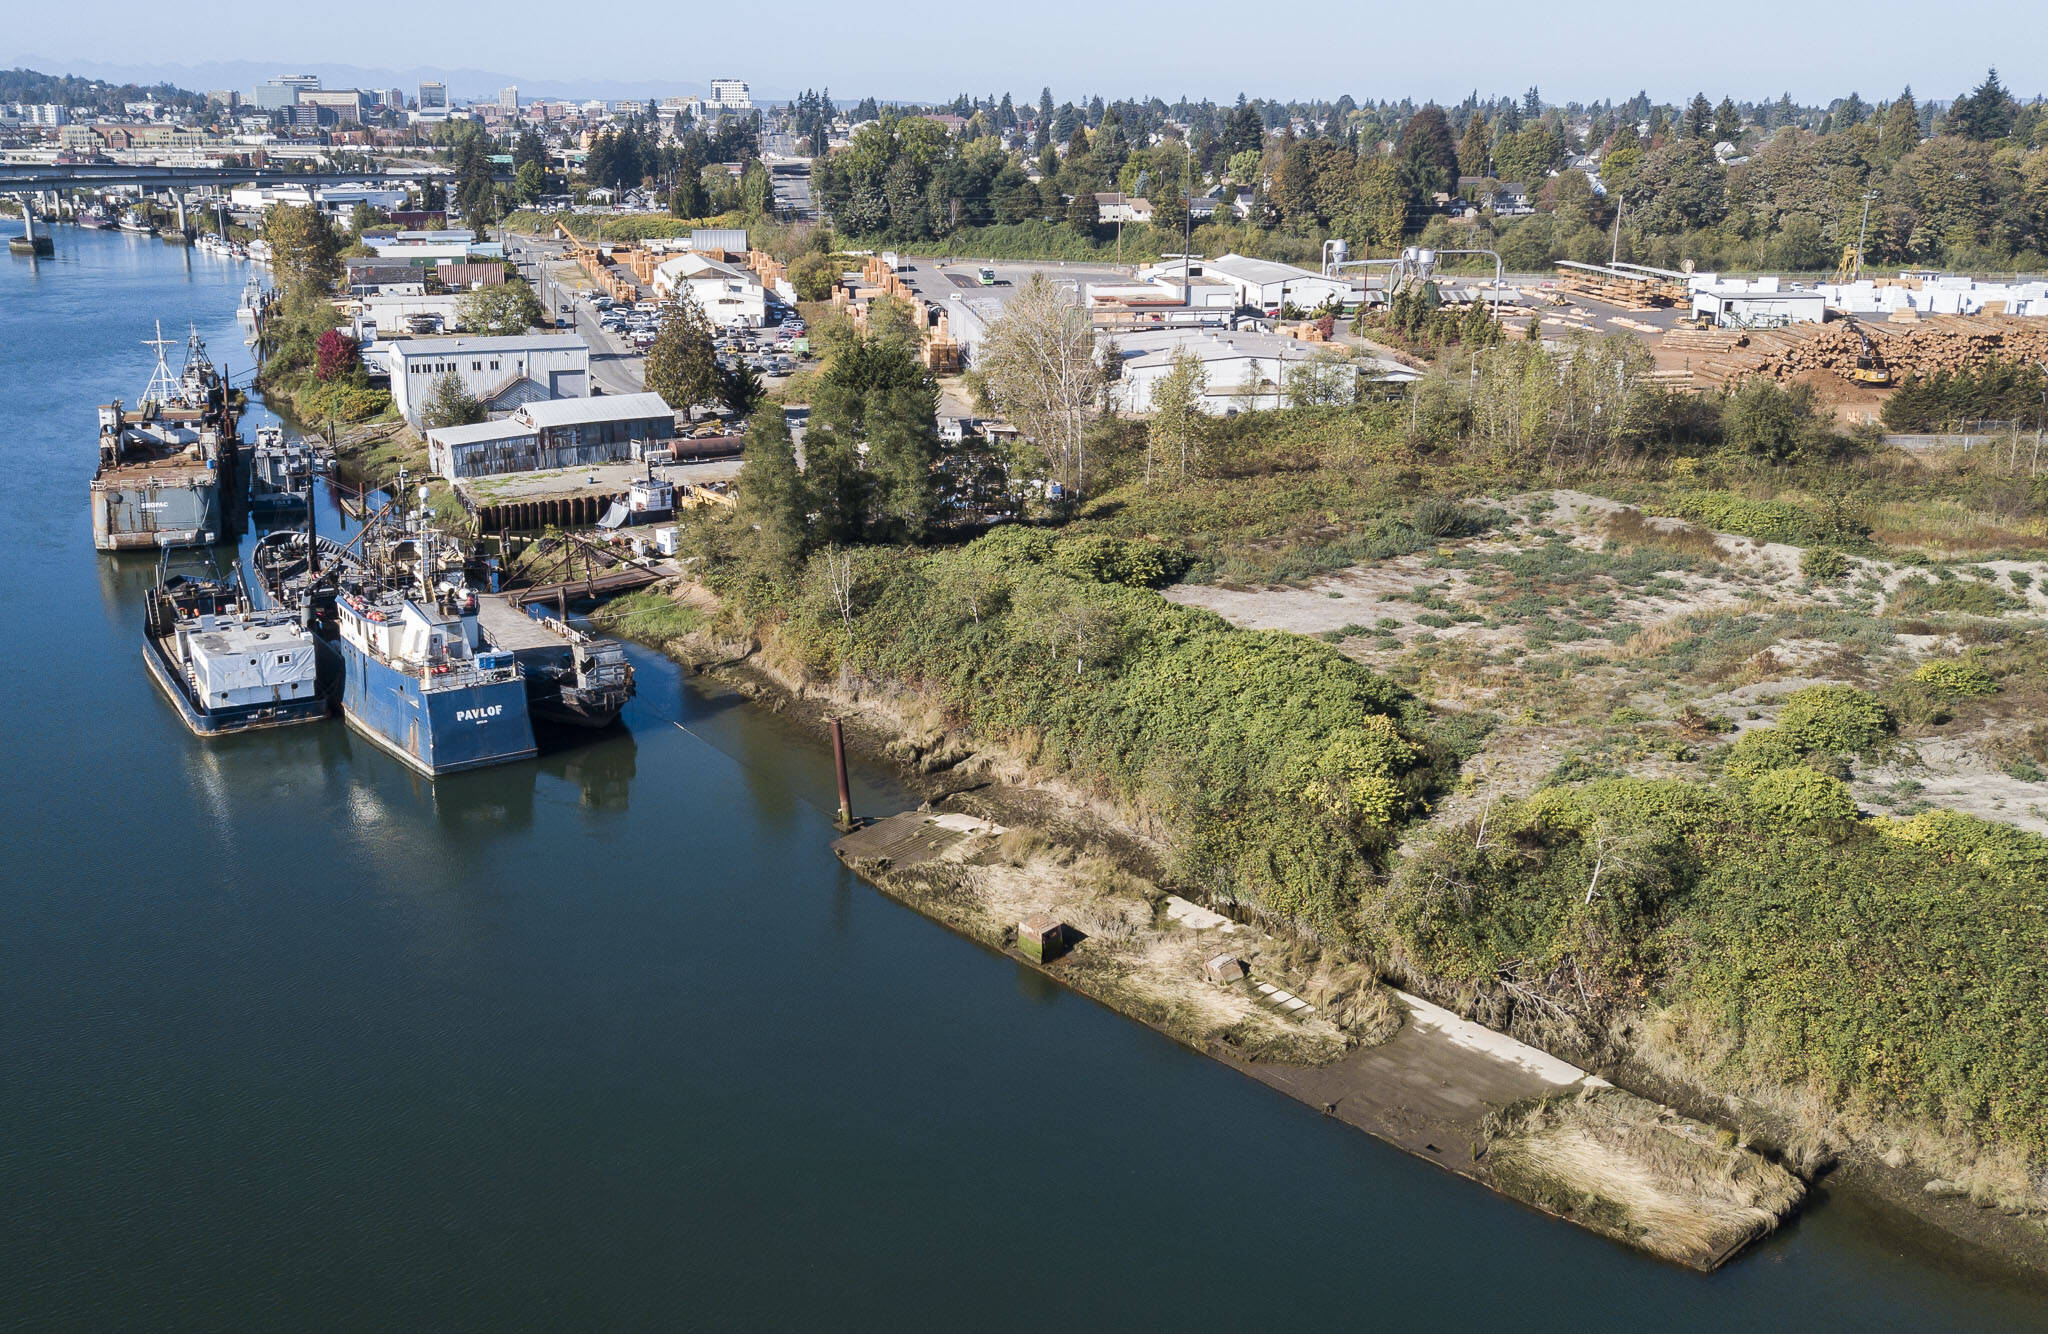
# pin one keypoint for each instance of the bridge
(102, 176)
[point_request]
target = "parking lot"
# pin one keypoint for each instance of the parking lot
(619, 337)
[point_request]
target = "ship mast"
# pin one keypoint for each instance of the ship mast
(163, 386)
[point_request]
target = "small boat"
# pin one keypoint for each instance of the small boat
(133, 221)
(586, 685)
(280, 473)
(226, 667)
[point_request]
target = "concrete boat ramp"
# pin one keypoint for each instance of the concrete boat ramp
(1429, 1086)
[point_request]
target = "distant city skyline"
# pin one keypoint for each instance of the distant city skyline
(1751, 50)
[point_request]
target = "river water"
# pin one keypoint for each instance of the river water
(289, 1037)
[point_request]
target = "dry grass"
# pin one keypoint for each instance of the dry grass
(1630, 528)
(1640, 1173)
(1819, 1125)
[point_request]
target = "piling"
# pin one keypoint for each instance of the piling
(839, 765)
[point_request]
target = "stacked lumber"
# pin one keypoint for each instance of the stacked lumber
(1701, 340)
(1930, 345)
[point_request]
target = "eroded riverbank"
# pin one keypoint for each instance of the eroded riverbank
(999, 848)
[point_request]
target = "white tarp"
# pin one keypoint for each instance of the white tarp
(243, 664)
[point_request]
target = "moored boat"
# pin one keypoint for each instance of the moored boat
(280, 473)
(227, 667)
(166, 467)
(586, 684)
(419, 677)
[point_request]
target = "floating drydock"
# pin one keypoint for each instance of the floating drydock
(167, 467)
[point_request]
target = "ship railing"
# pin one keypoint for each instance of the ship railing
(451, 676)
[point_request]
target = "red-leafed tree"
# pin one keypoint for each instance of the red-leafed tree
(336, 353)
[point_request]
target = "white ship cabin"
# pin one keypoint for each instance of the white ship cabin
(414, 638)
(238, 662)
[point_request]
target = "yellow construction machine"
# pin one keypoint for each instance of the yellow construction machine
(1870, 367)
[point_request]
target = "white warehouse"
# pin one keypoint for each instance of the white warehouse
(730, 297)
(1243, 371)
(501, 373)
(1266, 285)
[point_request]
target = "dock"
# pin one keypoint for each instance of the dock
(609, 584)
(512, 629)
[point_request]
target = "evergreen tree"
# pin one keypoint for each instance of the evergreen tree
(1900, 128)
(1475, 148)
(773, 500)
(450, 404)
(1428, 157)
(682, 366)
(1699, 117)
(1727, 121)
(1042, 130)
(903, 446)
(1985, 114)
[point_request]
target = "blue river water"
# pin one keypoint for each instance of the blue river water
(291, 1038)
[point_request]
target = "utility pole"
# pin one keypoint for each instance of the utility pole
(1861, 229)
(1614, 255)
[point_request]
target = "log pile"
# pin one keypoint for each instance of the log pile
(1925, 347)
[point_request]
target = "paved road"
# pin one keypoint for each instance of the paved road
(613, 364)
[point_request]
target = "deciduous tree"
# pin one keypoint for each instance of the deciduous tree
(1039, 364)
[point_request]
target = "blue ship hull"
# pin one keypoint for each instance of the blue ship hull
(435, 731)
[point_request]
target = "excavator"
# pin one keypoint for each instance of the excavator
(1870, 366)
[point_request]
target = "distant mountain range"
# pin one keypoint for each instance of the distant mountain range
(463, 84)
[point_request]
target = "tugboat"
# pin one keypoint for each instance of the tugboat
(167, 468)
(586, 686)
(418, 677)
(94, 220)
(226, 667)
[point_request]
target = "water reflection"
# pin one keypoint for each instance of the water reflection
(599, 762)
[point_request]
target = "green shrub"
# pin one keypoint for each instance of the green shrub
(1956, 678)
(1797, 795)
(1836, 719)
(1096, 557)
(1823, 565)
(1761, 750)
(1771, 520)
(1915, 597)
(1439, 517)
(1117, 560)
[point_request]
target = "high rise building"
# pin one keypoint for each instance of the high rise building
(283, 91)
(730, 95)
(508, 98)
(433, 97)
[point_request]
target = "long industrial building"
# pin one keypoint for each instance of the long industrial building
(562, 433)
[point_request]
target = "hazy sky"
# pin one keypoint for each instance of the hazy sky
(1215, 48)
